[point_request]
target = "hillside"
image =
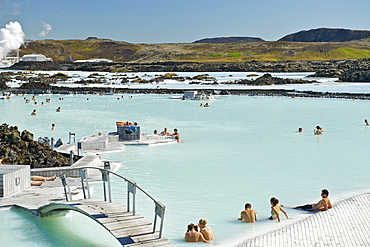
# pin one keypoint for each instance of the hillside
(228, 40)
(119, 51)
(326, 35)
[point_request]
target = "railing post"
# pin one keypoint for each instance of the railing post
(71, 157)
(83, 177)
(105, 178)
(52, 143)
(65, 184)
(131, 188)
(109, 187)
(159, 211)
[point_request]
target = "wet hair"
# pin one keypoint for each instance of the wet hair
(203, 221)
(325, 191)
(174, 129)
(191, 227)
(274, 201)
(247, 205)
(318, 127)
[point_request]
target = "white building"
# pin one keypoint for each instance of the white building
(35, 58)
(94, 60)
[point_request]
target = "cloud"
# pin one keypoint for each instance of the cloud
(9, 7)
(47, 28)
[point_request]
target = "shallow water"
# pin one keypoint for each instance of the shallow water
(241, 149)
(21, 229)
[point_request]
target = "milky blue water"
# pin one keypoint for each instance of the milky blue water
(21, 229)
(241, 149)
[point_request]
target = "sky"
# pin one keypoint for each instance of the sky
(180, 21)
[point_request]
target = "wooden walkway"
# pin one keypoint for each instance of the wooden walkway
(129, 229)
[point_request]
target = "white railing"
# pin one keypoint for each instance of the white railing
(159, 208)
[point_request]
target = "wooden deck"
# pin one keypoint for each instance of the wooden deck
(129, 229)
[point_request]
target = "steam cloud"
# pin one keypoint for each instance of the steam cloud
(11, 37)
(47, 28)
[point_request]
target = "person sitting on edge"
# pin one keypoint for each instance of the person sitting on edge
(248, 215)
(193, 236)
(176, 134)
(366, 122)
(323, 205)
(205, 230)
(318, 130)
(275, 209)
(40, 180)
(165, 132)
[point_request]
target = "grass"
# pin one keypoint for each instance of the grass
(83, 46)
(233, 54)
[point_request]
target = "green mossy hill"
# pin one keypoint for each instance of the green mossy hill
(60, 50)
(82, 49)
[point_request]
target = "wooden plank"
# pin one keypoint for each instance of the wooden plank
(126, 224)
(133, 231)
(123, 224)
(152, 243)
(119, 219)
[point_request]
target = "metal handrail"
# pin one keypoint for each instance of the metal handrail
(159, 208)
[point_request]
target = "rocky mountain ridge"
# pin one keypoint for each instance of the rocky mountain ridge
(326, 35)
(229, 40)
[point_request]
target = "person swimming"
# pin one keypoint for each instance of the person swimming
(318, 130)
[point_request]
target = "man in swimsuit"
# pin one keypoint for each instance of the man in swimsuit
(176, 134)
(248, 215)
(165, 132)
(323, 205)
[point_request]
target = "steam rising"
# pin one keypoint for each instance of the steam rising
(11, 37)
(47, 28)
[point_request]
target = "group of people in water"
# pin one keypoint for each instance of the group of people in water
(199, 232)
(165, 132)
(205, 105)
(249, 215)
(318, 130)
(202, 232)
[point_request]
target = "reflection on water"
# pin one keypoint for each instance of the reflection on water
(21, 229)
(241, 149)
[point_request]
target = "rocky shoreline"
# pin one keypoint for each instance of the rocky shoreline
(346, 70)
(20, 148)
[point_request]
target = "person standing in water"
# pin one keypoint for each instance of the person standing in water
(206, 230)
(275, 209)
(176, 134)
(192, 235)
(248, 215)
(318, 130)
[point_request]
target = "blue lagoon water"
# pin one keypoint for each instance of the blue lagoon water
(241, 149)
